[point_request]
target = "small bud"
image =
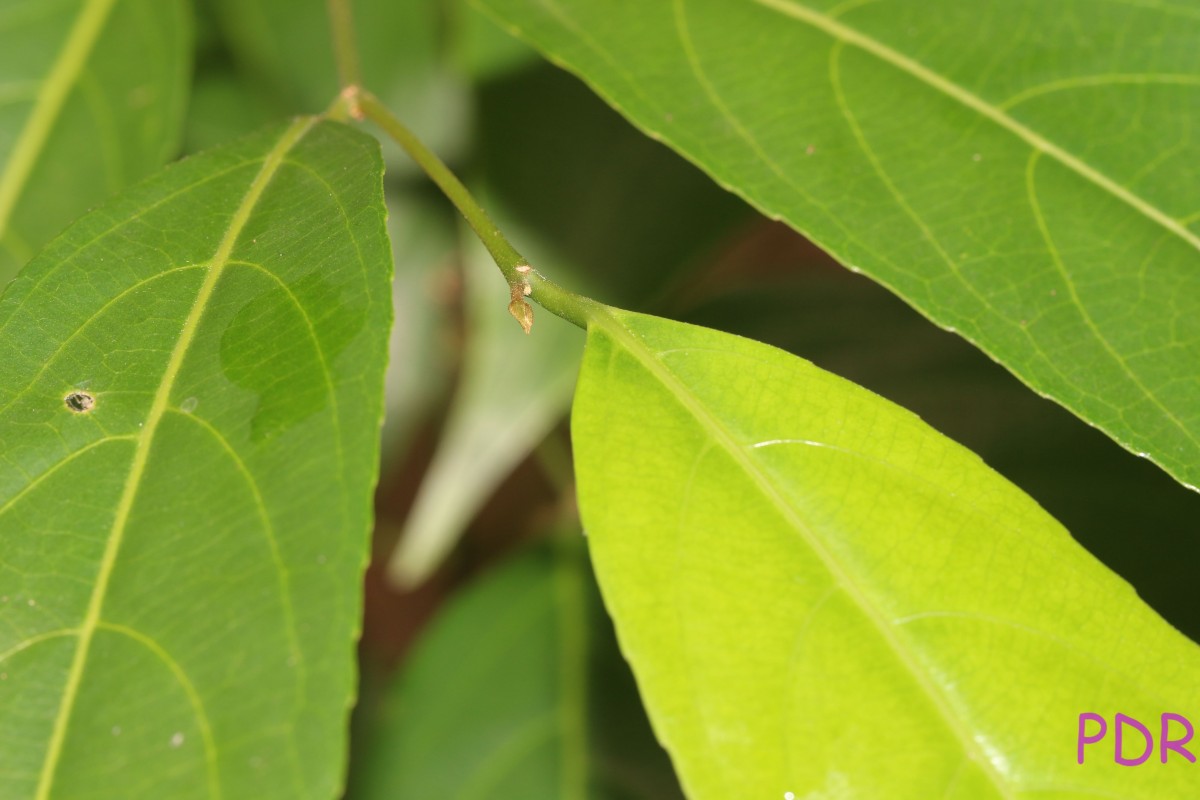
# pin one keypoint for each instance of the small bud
(521, 311)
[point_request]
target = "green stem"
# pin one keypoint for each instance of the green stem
(345, 52)
(524, 280)
(506, 256)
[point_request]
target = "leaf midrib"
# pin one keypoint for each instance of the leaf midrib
(50, 99)
(158, 407)
(613, 326)
(924, 74)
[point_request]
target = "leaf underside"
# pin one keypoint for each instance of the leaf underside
(1024, 173)
(819, 594)
(180, 561)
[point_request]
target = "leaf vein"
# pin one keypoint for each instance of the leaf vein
(282, 584)
(1056, 259)
(50, 358)
(65, 258)
(763, 482)
(1102, 79)
(693, 60)
(25, 644)
(840, 31)
(49, 471)
(189, 689)
(270, 165)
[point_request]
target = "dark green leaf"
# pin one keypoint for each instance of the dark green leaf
(189, 422)
(286, 46)
(1021, 172)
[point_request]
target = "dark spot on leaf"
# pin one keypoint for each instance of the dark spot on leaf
(80, 402)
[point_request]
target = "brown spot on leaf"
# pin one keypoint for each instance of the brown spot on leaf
(80, 402)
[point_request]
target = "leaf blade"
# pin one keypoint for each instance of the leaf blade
(230, 451)
(145, 438)
(51, 174)
(797, 569)
(902, 142)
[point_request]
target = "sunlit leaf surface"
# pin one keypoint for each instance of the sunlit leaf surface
(858, 330)
(821, 595)
(1023, 172)
(92, 94)
(189, 427)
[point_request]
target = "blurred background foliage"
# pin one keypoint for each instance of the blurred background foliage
(489, 669)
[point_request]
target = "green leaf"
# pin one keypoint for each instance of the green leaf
(92, 94)
(858, 330)
(516, 691)
(1021, 172)
(821, 595)
(181, 562)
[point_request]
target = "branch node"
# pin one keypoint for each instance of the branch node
(351, 95)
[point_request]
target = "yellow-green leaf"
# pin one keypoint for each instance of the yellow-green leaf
(821, 595)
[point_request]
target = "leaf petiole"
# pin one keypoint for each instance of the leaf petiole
(523, 280)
